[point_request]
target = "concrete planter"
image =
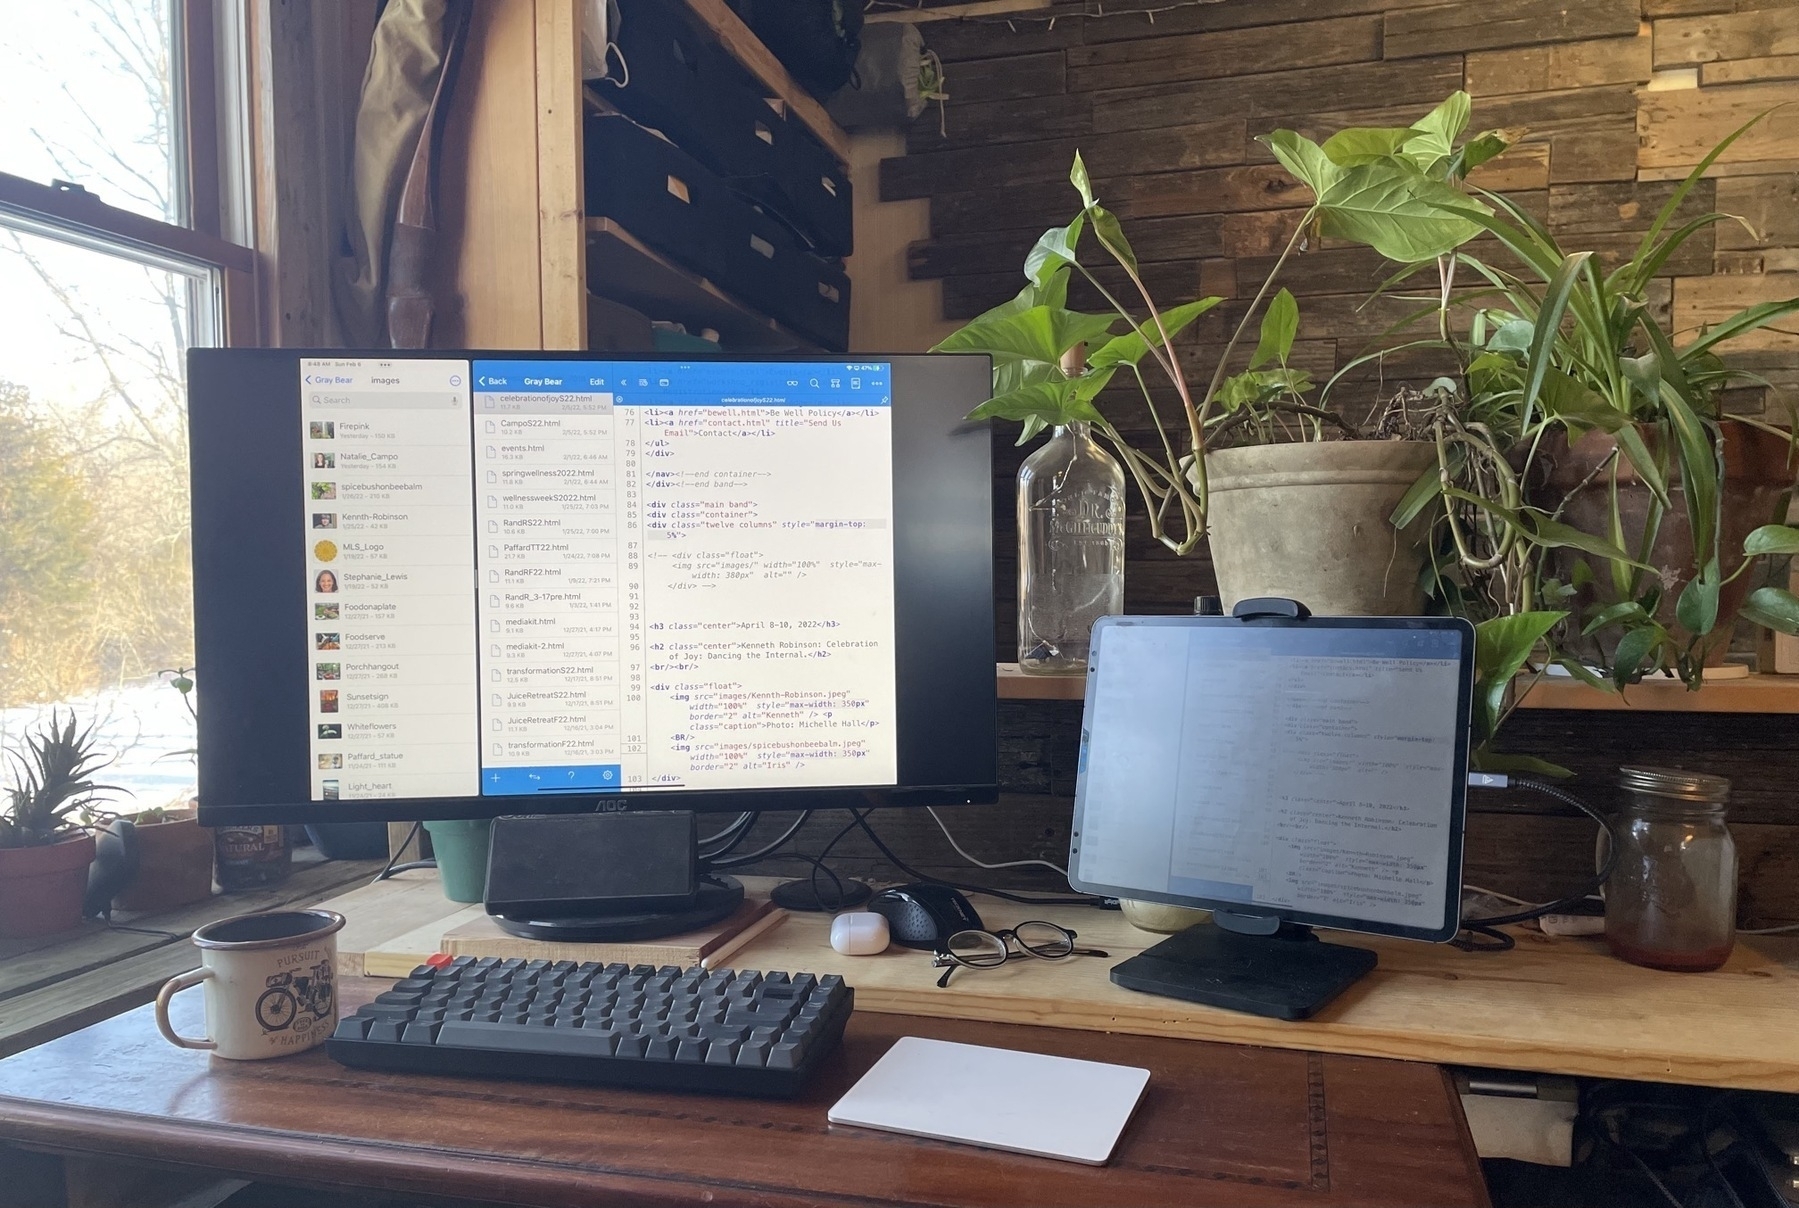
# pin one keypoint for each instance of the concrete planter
(1309, 522)
(41, 887)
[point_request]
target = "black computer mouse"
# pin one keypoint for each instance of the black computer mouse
(922, 915)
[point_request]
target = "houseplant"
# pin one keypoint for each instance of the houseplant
(1585, 471)
(174, 851)
(45, 848)
(1396, 190)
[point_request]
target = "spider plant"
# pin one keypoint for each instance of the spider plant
(1559, 349)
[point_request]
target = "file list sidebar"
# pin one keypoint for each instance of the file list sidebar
(685, 575)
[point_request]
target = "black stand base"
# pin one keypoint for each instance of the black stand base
(717, 899)
(824, 897)
(1286, 975)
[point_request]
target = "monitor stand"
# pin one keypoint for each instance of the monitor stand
(1247, 962)
(717, 899)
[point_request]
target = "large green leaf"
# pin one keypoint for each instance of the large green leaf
(1501, 647)
(1400, 213)
(1484, 146)
(1305, 159)
(1672, 206)
(1077, 176)
(1697, 608)
(1365, 144)
(1039, 333)
(1773, 607)
(1130, 347)
(1280, 324)
(1055, 250)
(1771, 539)
(1438, 130)
(1635, 649)
(1111, 236)
(1055, 403)
(1256, 385)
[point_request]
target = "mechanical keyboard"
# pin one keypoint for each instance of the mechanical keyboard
(720, 1030)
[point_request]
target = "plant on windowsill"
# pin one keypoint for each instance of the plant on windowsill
(45, 844)
(1253, 445)
(1594, 508)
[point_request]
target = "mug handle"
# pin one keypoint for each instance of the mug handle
(170, 988)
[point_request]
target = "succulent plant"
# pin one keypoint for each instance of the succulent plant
(53, 795)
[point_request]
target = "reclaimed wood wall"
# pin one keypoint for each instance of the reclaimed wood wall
(1621, 98)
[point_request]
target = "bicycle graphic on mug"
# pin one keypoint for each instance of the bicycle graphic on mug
(289, 994)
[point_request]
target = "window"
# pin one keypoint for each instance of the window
(111, 267)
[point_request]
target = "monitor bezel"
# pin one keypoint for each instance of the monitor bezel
(205, 363)
(1451, 924)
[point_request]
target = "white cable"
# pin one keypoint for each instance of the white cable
(1768, 930)
(981, 863)
(1494, 893)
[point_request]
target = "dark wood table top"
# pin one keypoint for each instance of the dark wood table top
(1219, 1125)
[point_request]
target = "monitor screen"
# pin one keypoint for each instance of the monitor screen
(451, 584)
(1315, 771)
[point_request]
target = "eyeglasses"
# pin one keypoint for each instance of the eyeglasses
(975, 949)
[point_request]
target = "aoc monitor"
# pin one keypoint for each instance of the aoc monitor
(457, 584)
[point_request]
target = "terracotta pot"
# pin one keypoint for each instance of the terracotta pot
(174, 865)
(1757, 476)
(41, 887)
(1309, 522)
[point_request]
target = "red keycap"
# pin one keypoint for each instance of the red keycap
(438, 960)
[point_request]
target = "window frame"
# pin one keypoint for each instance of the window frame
(70, 213)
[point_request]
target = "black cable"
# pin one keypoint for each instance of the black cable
(759, 853)
(392, 861)
(900, 864)
(1705, 1147)
(167, 935)
(1591, 887)
(732, 835)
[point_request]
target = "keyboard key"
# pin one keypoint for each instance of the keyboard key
(419, 1033)
(386, 1031)
(753, 1052)
(524, 1038)
(352, 1028)
(720, 1052)
(691, 1050)
(784, 1057)
(384, 1010)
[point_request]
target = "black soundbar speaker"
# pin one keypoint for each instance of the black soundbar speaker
(602, 877)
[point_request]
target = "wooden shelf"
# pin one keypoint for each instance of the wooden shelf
(1561, 1006)
(748, 50)
(625, 269)
(1751, 694)
(1754, 694)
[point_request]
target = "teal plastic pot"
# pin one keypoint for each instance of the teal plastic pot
(461, 850)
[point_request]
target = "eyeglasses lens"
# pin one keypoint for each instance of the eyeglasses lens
(1044, 939)
(978, 948)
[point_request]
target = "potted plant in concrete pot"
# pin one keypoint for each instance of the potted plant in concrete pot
(1297, 507)
(45, 848)
(1586, 472)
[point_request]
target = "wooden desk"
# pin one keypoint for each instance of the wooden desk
(1219, 1125)
(1550, 1006)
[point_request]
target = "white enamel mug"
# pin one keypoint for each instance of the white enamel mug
(270, 984)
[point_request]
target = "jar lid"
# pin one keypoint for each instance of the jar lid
(1675, 782)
